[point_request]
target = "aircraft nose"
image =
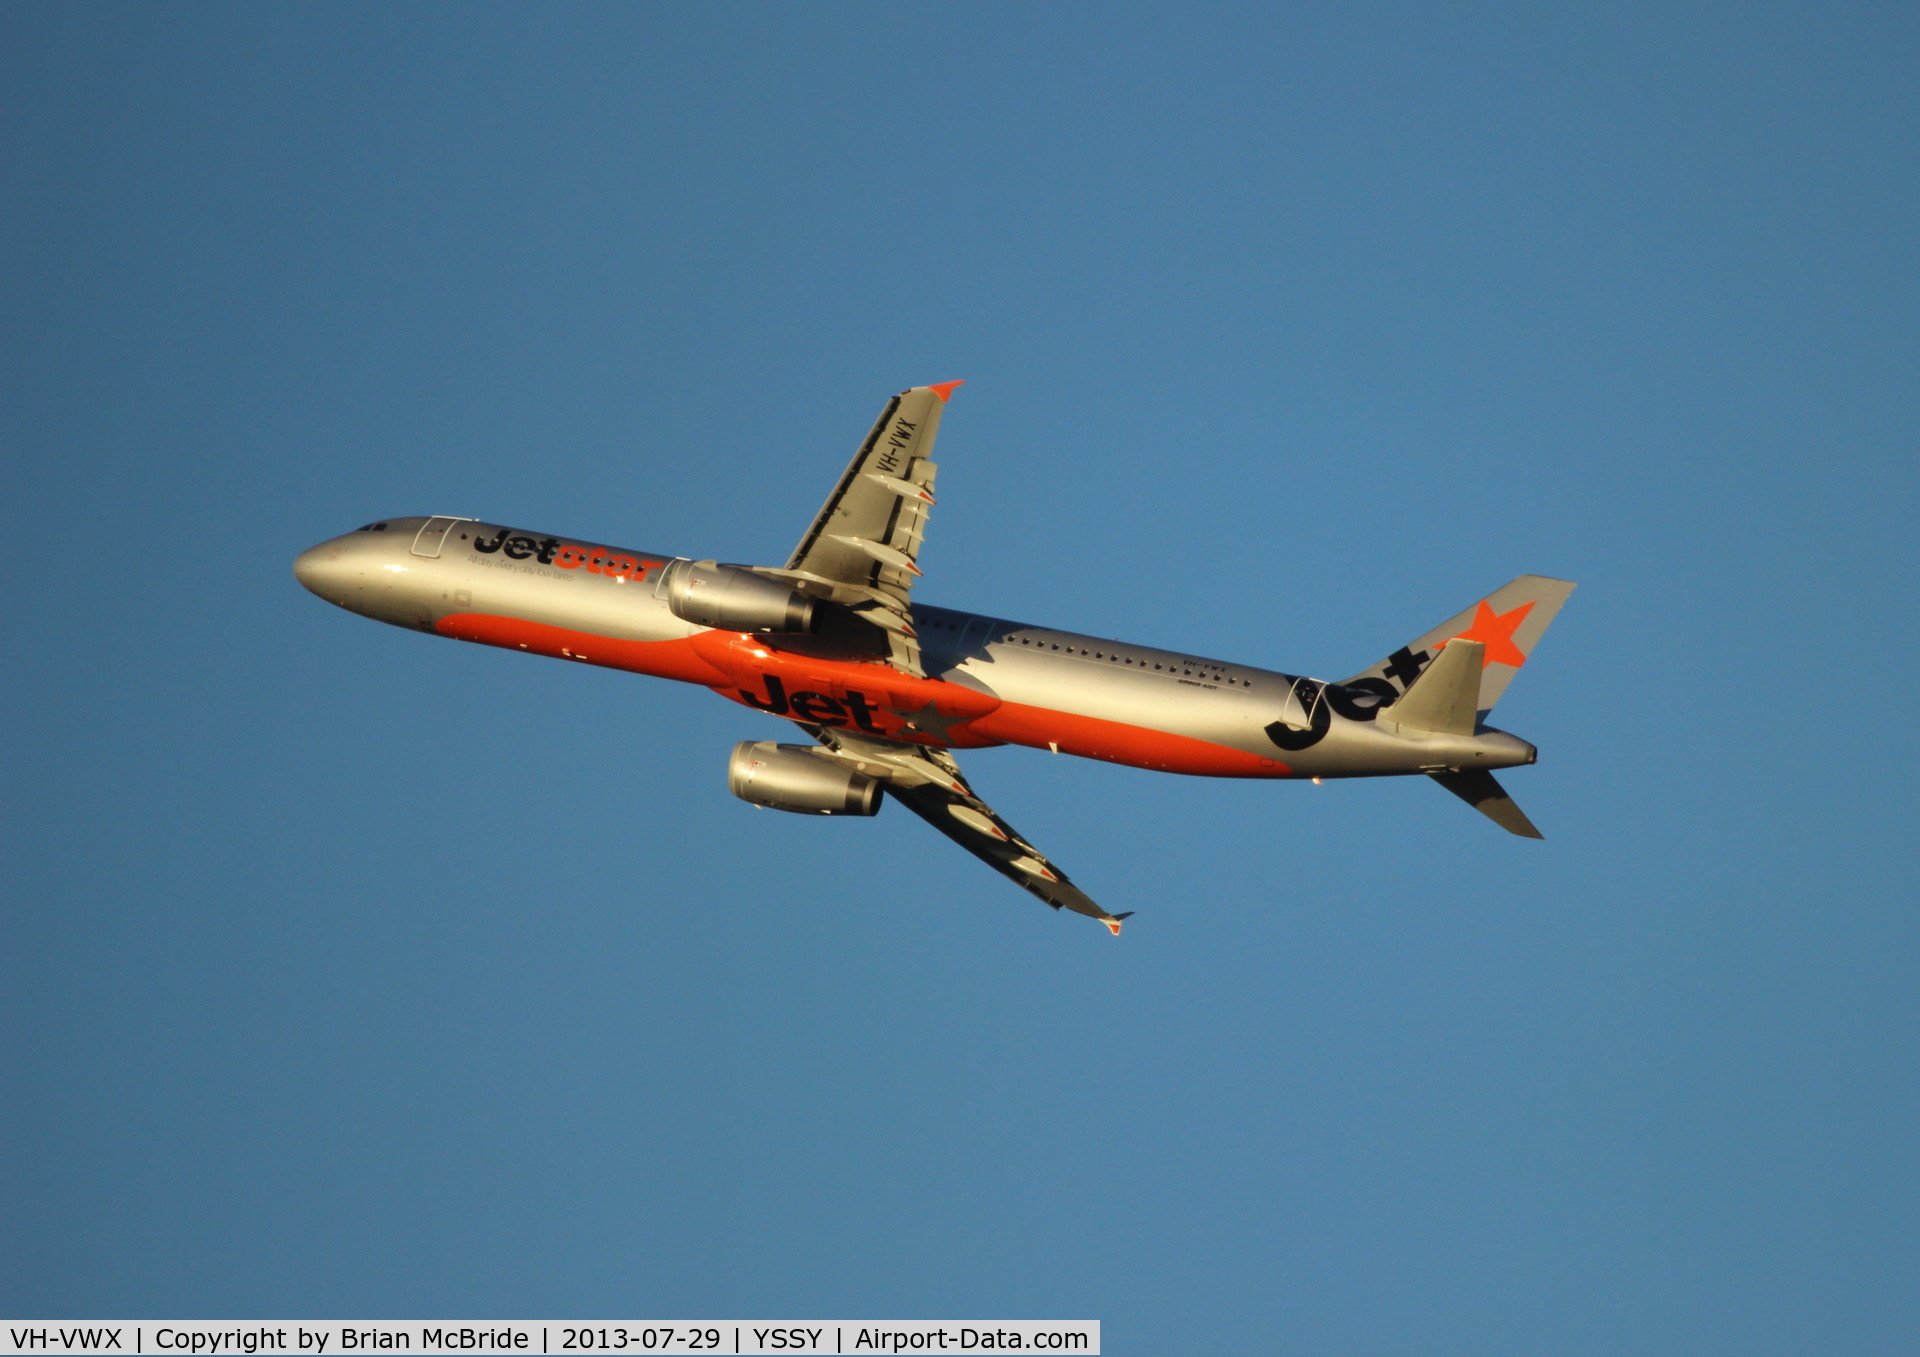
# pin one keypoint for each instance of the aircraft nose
(321, 569)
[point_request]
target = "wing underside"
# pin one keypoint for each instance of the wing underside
(928, 782)
(862, 552)
(863, 548)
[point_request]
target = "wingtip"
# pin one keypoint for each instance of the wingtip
(1113, 922)
(944, 390)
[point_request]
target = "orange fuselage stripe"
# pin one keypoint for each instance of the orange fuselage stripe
(738, 668)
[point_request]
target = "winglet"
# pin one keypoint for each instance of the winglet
(1113, 922)
(945, 389)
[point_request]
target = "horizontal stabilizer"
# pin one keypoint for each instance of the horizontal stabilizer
(1479, 790)
(1445, 698)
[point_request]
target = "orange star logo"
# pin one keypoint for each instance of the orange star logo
(1495, 631)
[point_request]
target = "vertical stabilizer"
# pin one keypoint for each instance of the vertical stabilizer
(1508, 622)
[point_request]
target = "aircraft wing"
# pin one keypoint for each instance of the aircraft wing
(928, 783)
(864, 544)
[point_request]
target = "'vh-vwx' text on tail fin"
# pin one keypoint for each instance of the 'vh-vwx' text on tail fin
(1508, 623)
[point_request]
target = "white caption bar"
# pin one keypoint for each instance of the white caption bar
(325, 1338)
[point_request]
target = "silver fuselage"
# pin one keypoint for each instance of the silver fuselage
(1002, 681)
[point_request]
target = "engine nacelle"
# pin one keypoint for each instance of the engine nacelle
(793, 777)
(733, 598)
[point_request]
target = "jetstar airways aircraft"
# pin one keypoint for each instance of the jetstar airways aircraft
(888, 688)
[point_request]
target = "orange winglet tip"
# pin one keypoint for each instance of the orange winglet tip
(1113, 923)
(944, 390)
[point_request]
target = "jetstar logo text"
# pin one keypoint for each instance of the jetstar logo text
(565, 555)
(814, 708)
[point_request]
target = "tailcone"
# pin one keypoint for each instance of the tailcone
(1497, 749)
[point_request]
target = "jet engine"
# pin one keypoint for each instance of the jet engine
(733, 598)
(793, 777)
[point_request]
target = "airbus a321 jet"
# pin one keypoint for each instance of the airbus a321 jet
(889, 688)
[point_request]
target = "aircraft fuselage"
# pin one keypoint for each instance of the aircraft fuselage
(990, 681)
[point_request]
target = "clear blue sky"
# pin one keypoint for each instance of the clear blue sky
(349, 972)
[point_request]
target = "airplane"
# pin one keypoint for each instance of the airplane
(888, 688)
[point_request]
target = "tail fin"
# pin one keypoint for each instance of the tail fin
(1508, 623)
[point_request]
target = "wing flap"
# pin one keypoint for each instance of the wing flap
(904, 489)
(881, 552)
